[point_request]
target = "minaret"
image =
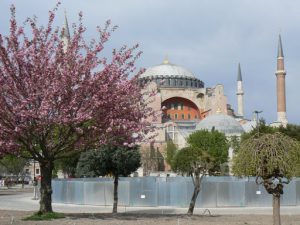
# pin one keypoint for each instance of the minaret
(240, 93)
(280, 75)
(66, 36)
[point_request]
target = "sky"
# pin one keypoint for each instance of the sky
(208, 37)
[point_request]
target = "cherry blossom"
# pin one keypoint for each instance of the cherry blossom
(59, 96)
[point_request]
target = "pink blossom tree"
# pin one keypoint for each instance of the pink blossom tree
(57, 97)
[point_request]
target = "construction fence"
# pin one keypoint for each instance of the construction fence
(171, 191)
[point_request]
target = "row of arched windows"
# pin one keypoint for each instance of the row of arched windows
(174, 82)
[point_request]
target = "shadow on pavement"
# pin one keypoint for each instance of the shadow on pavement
(132, 216)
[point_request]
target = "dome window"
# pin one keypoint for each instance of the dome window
(176, 105)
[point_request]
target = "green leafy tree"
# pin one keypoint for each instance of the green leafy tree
(214, 143)
(149, 159)
(235, 143)
(206, 153)
(110, 160)
(261, 128)
(87, 164)
(273, 159)
(14, 165)
(196, 163)
(68, 164)
(171, 151)
(291, 130)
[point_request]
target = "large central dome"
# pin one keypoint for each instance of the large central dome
(170, 76)
(167, 69)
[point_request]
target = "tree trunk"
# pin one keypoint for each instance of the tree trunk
(46, 187)
(116, 183)
(195, 194)
(276, 209)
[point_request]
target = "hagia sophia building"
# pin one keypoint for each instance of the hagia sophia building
(186, 105)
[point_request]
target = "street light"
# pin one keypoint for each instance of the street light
(257, 120)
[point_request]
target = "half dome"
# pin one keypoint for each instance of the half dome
(222, 123)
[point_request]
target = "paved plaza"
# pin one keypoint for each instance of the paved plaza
(16, 204)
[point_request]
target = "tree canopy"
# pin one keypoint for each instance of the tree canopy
(261, 128)
(68, 164)
(190, 159)
(109, 160)
(213, 143)
(291, 130)
(13, 164)
(266, 155)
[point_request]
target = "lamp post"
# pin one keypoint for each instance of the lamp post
(257, 120)
(33, 168)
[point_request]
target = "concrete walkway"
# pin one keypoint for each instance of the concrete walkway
(22, 201)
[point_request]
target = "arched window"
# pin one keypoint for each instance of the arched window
(181, 106)
(176, 105)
